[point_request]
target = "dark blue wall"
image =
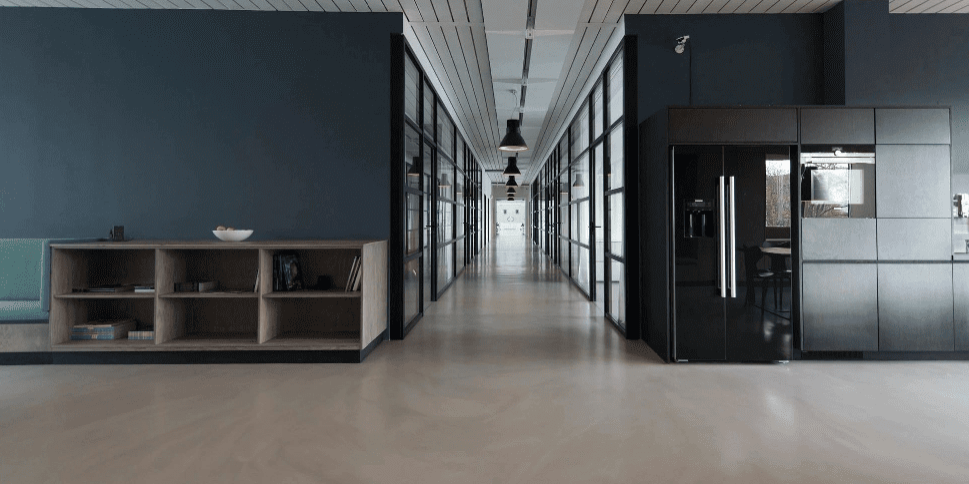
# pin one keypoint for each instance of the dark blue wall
(737, 59)
(173, 122)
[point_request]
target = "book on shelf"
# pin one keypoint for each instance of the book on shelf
(359, 279)
(108, 288)
(103, 329)
(353, 271)
(144, 288)
(148, 335)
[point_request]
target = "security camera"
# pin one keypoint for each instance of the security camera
(681, 44)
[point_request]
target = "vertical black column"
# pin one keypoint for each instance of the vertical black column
(631, 236)
(395, 253)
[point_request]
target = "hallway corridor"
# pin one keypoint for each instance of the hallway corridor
(510, 378)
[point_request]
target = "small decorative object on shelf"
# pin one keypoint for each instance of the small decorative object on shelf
(229, 234)
(323, 283)
(117, 233)
(204, 286)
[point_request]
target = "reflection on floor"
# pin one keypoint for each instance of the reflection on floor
(510, 378)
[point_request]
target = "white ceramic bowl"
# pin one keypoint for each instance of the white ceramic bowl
(232, 235)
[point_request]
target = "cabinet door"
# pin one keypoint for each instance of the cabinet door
(912, 126)
(838, 239)
(915, 239)
(960, 294)
(915, 307)
(840, 305)
(837, 126)
(912, 181)
(728, 125)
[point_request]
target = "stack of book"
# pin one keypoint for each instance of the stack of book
(356, 275)
(145, 335)
(108, 288)
(105, 329)
(145, 288)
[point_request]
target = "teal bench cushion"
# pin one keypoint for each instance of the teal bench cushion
(21, 266)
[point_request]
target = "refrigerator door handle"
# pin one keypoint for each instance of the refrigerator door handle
(733, 241)
(723, 242)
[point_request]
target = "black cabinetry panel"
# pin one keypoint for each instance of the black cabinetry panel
(840, 307)
(915, 239)
(912, 126)
(915, 307)
(960, 295)
(912, 181)
(850, 126)
(733, 126)
(838, 239)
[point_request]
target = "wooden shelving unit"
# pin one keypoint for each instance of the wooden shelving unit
(244, 314)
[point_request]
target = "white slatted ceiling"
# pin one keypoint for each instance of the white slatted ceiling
(456, 53)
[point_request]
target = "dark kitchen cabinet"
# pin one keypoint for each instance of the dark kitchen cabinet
(960, 296)
(915, 239)
(915, 307)
(838, 126)
(838, 239)
(733, 125)
(840, 305)
(912, 181)
(912, 126)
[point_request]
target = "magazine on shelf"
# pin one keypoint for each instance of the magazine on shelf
(353, 271)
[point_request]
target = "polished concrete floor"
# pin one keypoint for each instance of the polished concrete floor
(510, 378)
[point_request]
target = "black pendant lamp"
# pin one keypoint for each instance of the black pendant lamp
(415, 167)
(511, 182)
(511, 191)
(513, 140)
(512, 168)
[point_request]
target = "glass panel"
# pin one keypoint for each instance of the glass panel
(563, 155)
(599, 220)
(459, 255)
(616, 222)
(778, 190)
(616, 158)
(832, 186)
(412, 224)
(580, 130)
(617, 295)
(445, 132)
(428, 110)
(582, 223)
(412, 86)
(445, 179)
(459, 225)
(582, 273)
(580, 177)
(597, 114)
(574, 260)
(445, 265)
(428, 273)
(412, 158)
(445, 224)
(564, 255)
(615, 91)
(412, 289)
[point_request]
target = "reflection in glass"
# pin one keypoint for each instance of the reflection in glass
(580, 177)
(837, 184)
(616, 223)
(412, 289)
(778, 213)
(597, 114)
(445, 265)
(580, 130)
(412, 221)
(582, 221)
(616, 159)
(615, 90)
(445, 133)
(428, 110)
(412, 85)
(412, 158)
(617, 294)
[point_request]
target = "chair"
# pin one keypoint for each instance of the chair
(753, 255)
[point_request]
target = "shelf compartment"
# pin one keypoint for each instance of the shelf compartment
(105, 345)
(335, 263)
(211, 295)
(202, 322)
(82, 268)
(113, 295)
(68, 312)
(313, 294)
(234, 269)
(310, 319)
(346, 340)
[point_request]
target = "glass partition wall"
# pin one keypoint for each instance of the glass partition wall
(580, 194)
(436, 190)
